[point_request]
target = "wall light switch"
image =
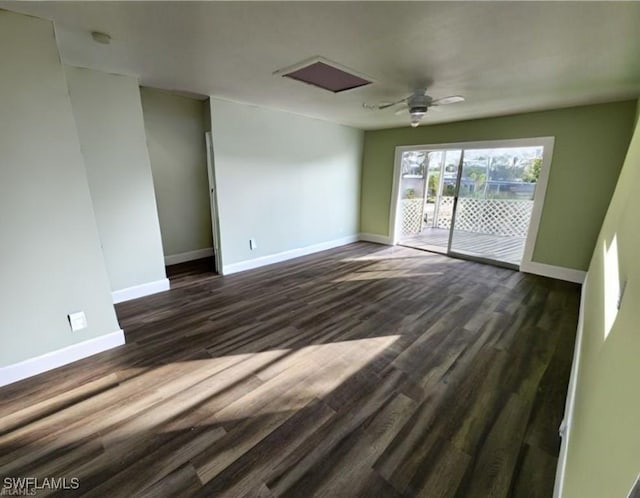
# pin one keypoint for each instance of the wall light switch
(78, 321)
(252, 244)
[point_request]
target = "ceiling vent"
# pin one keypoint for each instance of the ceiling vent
(325, 74)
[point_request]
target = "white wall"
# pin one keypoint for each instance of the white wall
(288, 181)
(175, 128)
(108, 115)
(50, 258)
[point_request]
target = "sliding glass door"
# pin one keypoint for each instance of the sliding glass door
(427, 187)
(474, 202)
(494, 202)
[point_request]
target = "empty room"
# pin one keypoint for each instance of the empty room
(341, 249)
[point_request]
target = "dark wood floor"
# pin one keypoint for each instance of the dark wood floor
(361, 371)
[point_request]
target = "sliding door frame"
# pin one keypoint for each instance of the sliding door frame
(538, 200)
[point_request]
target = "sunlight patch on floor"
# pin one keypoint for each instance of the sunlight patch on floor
(307, 374)
(378, 275)
(229, 389)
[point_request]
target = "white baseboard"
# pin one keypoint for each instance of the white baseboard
(141, 290)
(378, 239)
(567, 274)
(286, 255)
(55, 359)
(183, 257)
(565, 433)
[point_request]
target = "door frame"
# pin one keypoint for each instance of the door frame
(538, 198)
(213, 203)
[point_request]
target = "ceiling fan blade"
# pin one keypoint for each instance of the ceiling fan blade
(386, 105)
(447, 100)
(401, 111)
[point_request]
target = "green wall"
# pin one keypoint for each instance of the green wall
(603, 456)
(590, 144)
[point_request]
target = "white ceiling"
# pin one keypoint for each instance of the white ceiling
(504, 57)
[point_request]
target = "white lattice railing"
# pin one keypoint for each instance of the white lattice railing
(494, 216)
(412, 215)
(491, 216)
(445, 210)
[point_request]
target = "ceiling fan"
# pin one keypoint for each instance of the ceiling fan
(416, 104)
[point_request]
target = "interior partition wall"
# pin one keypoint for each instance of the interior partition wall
(474, 200)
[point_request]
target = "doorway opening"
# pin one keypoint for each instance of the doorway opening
(479, 200)
(175, 127)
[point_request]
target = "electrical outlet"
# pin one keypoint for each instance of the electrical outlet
(78, 321)
(252, 244)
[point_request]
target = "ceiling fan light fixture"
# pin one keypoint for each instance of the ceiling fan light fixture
(417, 114)
(417, 104)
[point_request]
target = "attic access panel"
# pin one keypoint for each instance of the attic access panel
(325, 75)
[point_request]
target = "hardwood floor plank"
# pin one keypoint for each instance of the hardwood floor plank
(534, 474)
(496, 461)
(181, 482)
(350, 469)
(365, 370)
(293, 469)
(240, 477)
(548, 409)
(41, 409)
(157, 465)
(440, 472)
(74, 425)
